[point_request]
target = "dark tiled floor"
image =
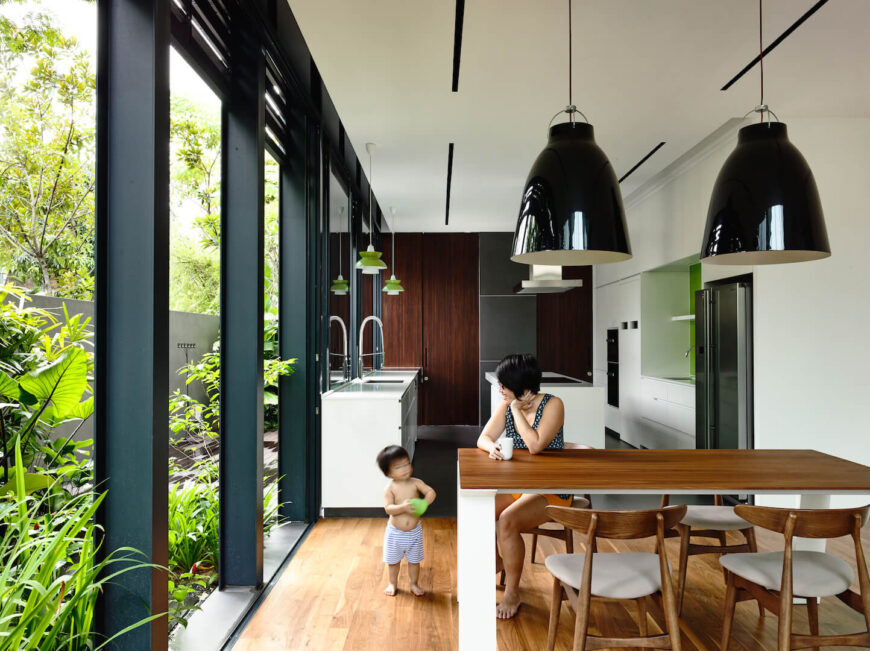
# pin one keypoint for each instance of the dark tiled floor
(435, 463)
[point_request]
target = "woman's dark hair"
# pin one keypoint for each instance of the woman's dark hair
(389, 454)
(519, 373)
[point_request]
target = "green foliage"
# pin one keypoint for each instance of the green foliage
(193, 536)
(190, 417)
(46, 157)
(50, 576)
(44, 371)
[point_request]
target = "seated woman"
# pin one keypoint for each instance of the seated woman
(534, 421)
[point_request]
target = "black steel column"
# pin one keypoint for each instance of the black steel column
(315, 314)
(295, 409)
(241, 427)
(132, 310)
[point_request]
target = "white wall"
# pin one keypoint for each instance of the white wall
(812, 320)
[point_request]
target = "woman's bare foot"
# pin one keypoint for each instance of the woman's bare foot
(417, 590)
(508, 607)
(391, 590)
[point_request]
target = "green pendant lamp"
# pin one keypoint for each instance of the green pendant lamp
(393, 286)
(339, 286)
(370, 262)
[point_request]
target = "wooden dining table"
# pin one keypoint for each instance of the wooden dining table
(812, 475)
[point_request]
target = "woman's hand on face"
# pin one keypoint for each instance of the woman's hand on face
(495, 452)
(525, 401)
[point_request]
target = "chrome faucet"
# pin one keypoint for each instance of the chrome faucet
(382, 352)
(344, 356)
(689, 350)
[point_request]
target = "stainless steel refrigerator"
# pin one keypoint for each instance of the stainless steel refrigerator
(723, 367)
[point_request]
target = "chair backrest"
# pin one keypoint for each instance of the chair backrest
(809, 523)
(618, 524)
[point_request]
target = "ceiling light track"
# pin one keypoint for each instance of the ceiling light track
(800, 21)
(642, 161)
(457, 42)
(449, 182)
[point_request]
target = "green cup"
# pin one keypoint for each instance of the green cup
(420, 506)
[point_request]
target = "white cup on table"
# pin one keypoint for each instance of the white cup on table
(506, 445)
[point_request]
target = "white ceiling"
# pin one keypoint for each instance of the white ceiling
(644, 71)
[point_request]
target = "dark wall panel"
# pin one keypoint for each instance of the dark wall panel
(565, 327)
(498, 273)
(403, 314)
(508, 321)
(508, 325)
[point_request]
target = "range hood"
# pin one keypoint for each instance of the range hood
(546, 279)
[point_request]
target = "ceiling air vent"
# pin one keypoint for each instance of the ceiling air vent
(546, 279)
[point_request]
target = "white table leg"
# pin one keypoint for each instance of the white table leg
(812, 501)
(475, 569)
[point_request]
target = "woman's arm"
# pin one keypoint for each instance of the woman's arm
(493, 429)
(551, 422)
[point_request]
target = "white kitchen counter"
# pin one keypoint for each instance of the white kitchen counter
(358, 420)
(364, 388)
(584, 406)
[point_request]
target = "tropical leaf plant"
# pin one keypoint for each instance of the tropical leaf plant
(50, 571)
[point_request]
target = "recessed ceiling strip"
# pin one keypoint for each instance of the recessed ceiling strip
(779, 40)
(449, 181)
(457, 42)
(642, 161)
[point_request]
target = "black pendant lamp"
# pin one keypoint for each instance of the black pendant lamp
(765, 207)
(571, 211)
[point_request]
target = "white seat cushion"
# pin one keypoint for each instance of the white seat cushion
(717, 518)
(625, 575)
(814, 574)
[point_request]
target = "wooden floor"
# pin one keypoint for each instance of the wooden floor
(331, 597)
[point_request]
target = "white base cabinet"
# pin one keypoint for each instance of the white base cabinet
(668, 412)
(357, 422)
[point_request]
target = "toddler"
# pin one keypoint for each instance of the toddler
(404, 534)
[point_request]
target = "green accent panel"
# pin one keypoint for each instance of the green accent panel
(694, 286)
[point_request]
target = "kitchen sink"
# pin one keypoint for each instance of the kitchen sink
(378, 381)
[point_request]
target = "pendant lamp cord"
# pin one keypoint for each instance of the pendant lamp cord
(370, 199)
(761, 59)
(570, 64)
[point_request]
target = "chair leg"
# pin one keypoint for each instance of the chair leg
(641, 616)
(749, 534)
(581, 623)
(501, 579)
(684, 531)
(728, 617)
(813, 616)
(569, 540)
(534, 545)
(555, 607)
(671, 617)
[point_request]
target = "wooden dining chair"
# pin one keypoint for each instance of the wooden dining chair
(618, 575)
(555, 530)
(775, 578)
(704, 521)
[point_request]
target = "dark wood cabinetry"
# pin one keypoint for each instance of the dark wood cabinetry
(564, 323)
(403, 314)
(450, 329)
(434, 322)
